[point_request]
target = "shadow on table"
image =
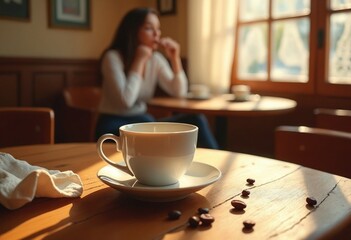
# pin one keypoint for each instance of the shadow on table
(108, 209)
(36, 209)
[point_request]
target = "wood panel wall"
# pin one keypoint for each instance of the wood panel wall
(39, 82)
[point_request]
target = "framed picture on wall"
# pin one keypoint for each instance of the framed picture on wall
(15, 10)
(166, 7)
(69, 14)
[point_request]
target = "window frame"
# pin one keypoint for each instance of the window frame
(317, 83)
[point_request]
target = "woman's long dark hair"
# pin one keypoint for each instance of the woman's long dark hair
(126, 36)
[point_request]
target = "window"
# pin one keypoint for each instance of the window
(294, 46)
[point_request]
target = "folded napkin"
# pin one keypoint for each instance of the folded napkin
(21, 182)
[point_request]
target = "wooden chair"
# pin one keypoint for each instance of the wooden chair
(26, 126)
(79, 113)
(335, 119)
(317, 148)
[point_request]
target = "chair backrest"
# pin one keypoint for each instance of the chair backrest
(335, 119)
(87, 98)
(79, 113)
(317, 148)
(26, 125)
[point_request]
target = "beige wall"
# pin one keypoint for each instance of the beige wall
(175, 26)
(36, 39)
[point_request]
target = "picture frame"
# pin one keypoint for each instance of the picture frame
(70, 14)
(13, 10)
(166, 7)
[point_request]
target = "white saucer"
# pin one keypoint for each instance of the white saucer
(198, 176)
(192, 96)
(251, 97)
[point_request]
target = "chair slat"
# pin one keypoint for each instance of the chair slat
(321, 149)
(26, 125)
(336, 119)
(79, 113)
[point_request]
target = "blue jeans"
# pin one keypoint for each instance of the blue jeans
(111, 123)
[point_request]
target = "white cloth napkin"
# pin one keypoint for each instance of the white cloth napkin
(21, 182)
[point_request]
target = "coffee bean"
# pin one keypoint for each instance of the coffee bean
(203, 210)
(174, 214)
(206, 219)
(250, 181)
(249, 224)
(238, 204)
(245, 193)
(194, 221)
(311, 201)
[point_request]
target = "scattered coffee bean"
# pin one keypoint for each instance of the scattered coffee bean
(206, 219)
(250, 181)
(174, 214)
(245, 193)
(194, 221)
(249, 224)
(311, 201)
(238, 204)
(203, 210)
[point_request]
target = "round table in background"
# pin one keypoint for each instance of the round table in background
(224, 106)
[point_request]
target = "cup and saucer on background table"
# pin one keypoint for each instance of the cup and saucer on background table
(198, 92)
(158, 162)
(241, 93)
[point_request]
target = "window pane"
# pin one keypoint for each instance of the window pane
(253, 10)
(283, 8)
(340, 4)
(252, 47)
(340, 48)
(290, 50)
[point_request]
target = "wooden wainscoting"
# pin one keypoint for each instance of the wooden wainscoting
(40, 81)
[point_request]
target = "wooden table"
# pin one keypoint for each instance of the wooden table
(276, 203)
(223, 106)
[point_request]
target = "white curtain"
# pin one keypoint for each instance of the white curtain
(211, 29)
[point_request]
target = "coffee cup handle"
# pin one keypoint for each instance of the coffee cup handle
(102, 155)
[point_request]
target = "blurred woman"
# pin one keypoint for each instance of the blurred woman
(132, 68)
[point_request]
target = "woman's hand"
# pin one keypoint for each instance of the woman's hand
(172, 51)
(171, 47)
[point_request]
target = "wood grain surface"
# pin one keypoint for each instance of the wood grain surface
(276, 203)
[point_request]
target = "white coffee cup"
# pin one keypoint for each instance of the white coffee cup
(241, 92)
(199, 90)
(156, 153)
